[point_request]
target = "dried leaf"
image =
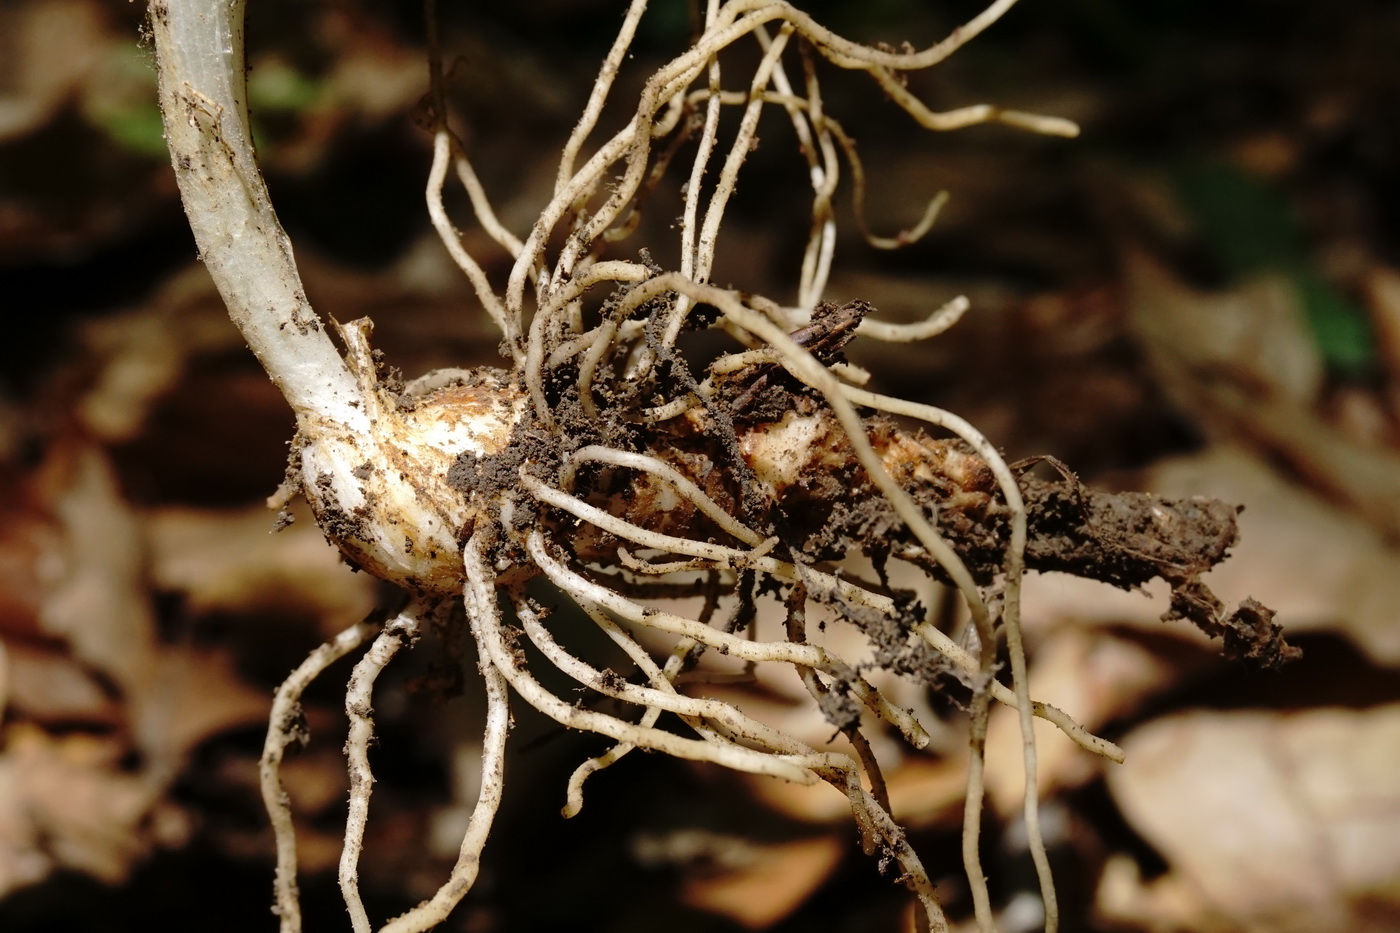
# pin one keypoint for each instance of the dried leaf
(190, 697)
(224, 561)
(771, 882)
(1326, 568)
(1268, 822)
(1239, 365)
(1094, 677)
(47, 686)
(37, 80)
(93, 575)
(65, 803)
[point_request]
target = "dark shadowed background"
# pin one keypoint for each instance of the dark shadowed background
(1200, 295)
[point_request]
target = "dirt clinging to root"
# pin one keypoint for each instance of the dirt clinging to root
(831, 509)
(1130, 538)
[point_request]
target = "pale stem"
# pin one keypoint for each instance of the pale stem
(200, 57)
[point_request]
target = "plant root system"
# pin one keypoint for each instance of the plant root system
(628, 470)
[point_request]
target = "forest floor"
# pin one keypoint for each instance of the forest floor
(1200, 296)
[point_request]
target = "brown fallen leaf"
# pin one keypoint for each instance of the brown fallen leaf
(92, 575)
(231, 561)
(765, 883)
(1268, 822)
(191, 696)
(1383, 294)
(1243, 365)
(1328, 570)
(1092, 676)
(48, 686)
(37, 81)
(66, 803)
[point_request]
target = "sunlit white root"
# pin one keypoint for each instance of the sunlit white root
(375, 464)
(781, 347)
(659, 110)
(745, 649)
(403, 628)
(1011, 627)
(802, 657)
(660, 114)
(442, 156)
(730, 556)
(435, 910)
(285, 726)
(719, 554)
(720, 725)
(660, 677)
(1061, 720)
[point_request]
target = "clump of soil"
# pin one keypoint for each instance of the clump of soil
(829, 509)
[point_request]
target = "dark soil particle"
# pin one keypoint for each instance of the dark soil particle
(839, 709)
(1124, 539)
(894, 646)
(767, 392)
(337, 524)
(833, 510)
(1129, 538)
(498, 473)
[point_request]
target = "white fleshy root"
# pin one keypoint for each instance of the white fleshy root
(285, 726)
(375, 465)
